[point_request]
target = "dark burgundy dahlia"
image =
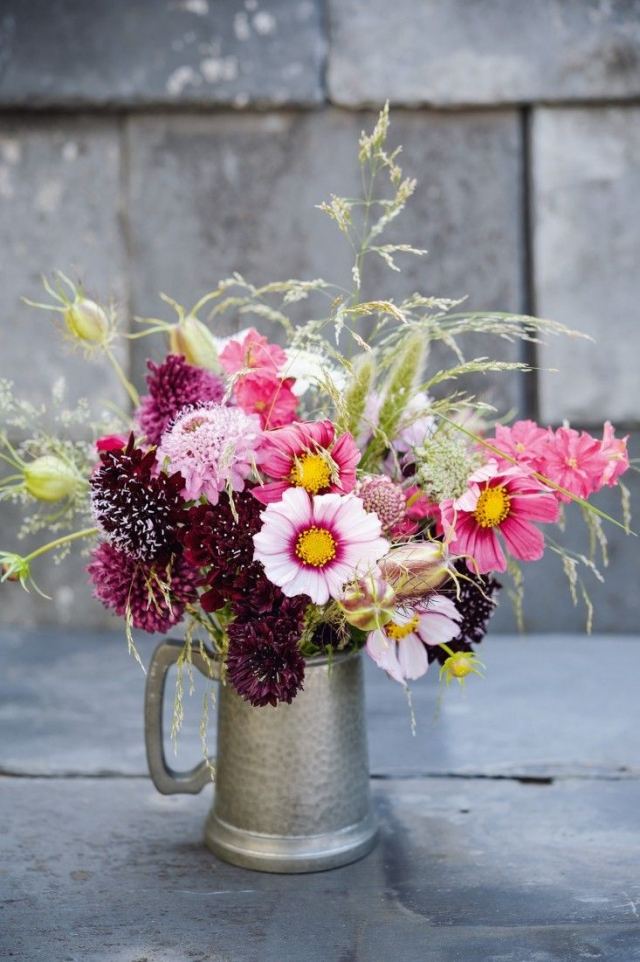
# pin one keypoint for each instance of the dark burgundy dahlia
(264, 663)
(155, 595)
(138, 509)
(174, 385)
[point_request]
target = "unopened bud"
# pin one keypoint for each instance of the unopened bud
(416, 569)
(460, 664)
(49, 478)
(368, 603)
(195, 342)
(87, 321)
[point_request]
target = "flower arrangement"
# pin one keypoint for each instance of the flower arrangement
(287, 502)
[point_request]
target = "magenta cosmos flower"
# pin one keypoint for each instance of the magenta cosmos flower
(575, 461)
(498, 501)
(212, 447)
(313, 546)
(399, 647)
(307, 455)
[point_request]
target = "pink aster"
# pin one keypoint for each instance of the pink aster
(399, 647)
(575, 461)
(523, 441)
(212, 447)
(616, 455)
(498, 501)
(314, 546)
(268, 396)
(253, 351)
(306, 455)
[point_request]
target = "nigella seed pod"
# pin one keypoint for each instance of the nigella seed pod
(368, 603)
(87, 321)
(194, 341)
(416, 569)
(49, 478)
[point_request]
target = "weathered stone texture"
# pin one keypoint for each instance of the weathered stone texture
(212, 195)
(59, 193)
(451, 52)
(586, 171)
(73, 53)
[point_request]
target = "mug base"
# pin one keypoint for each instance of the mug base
(290, 854)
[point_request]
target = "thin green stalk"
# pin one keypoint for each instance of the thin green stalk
(122, 377)
(75, 536)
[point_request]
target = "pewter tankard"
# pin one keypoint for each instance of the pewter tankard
(291, 782)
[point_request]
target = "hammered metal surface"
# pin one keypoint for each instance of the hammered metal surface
(298, 769)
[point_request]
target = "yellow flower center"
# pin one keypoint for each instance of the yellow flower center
(316, 547)
(520, 448)
(494, 505)
(460, 665)
(397, 632)
(572, 463)
(311, 472)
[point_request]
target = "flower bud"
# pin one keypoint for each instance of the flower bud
(368, 603)
(87, 321)
(460, 664)
(193, 339)
(415, 569)
(49, 478)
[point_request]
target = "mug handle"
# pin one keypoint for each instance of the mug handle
(165, 779)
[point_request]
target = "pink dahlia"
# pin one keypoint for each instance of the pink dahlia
(253, 351)
(575, 461)
(314, 546)
(523, 441)
(307, 455)
(174, 385)
(616, 455)
(267, 395)
(400, 647)
(498, 501)
(155, 595)
(212, 447)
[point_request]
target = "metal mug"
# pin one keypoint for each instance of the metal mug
(291, 782)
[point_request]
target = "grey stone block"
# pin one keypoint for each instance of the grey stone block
(212, 195)
(448, 53)
(191, 52)
(586, 166)
(101, 870)
(59, 184)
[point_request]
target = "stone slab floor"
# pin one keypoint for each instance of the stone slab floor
(509, 822)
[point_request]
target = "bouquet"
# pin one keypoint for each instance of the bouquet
(313, 493)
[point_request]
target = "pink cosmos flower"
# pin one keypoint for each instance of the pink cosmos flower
(399, 647)
(498, 501)
(212, 447)
(306, 455)
(524, 441)
(575, 461)
(267, 395)
(615, 452)
(314, 546)
(253, 351)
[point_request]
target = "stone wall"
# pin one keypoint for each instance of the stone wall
(154, 145)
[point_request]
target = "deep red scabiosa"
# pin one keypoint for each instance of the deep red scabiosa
(174, 385)
(268, 396)
(264, 663)
(498, 501)
(253, 351)
(137, 508)
(314, 545)
(306, 455)
(154, 595)
(575, 461)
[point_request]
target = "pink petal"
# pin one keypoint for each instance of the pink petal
(383, 652)
(538, 507)
(522, 539)
(487, 552)
(412, 656)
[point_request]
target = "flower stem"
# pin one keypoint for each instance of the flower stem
(122, 377)
(75, 536)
